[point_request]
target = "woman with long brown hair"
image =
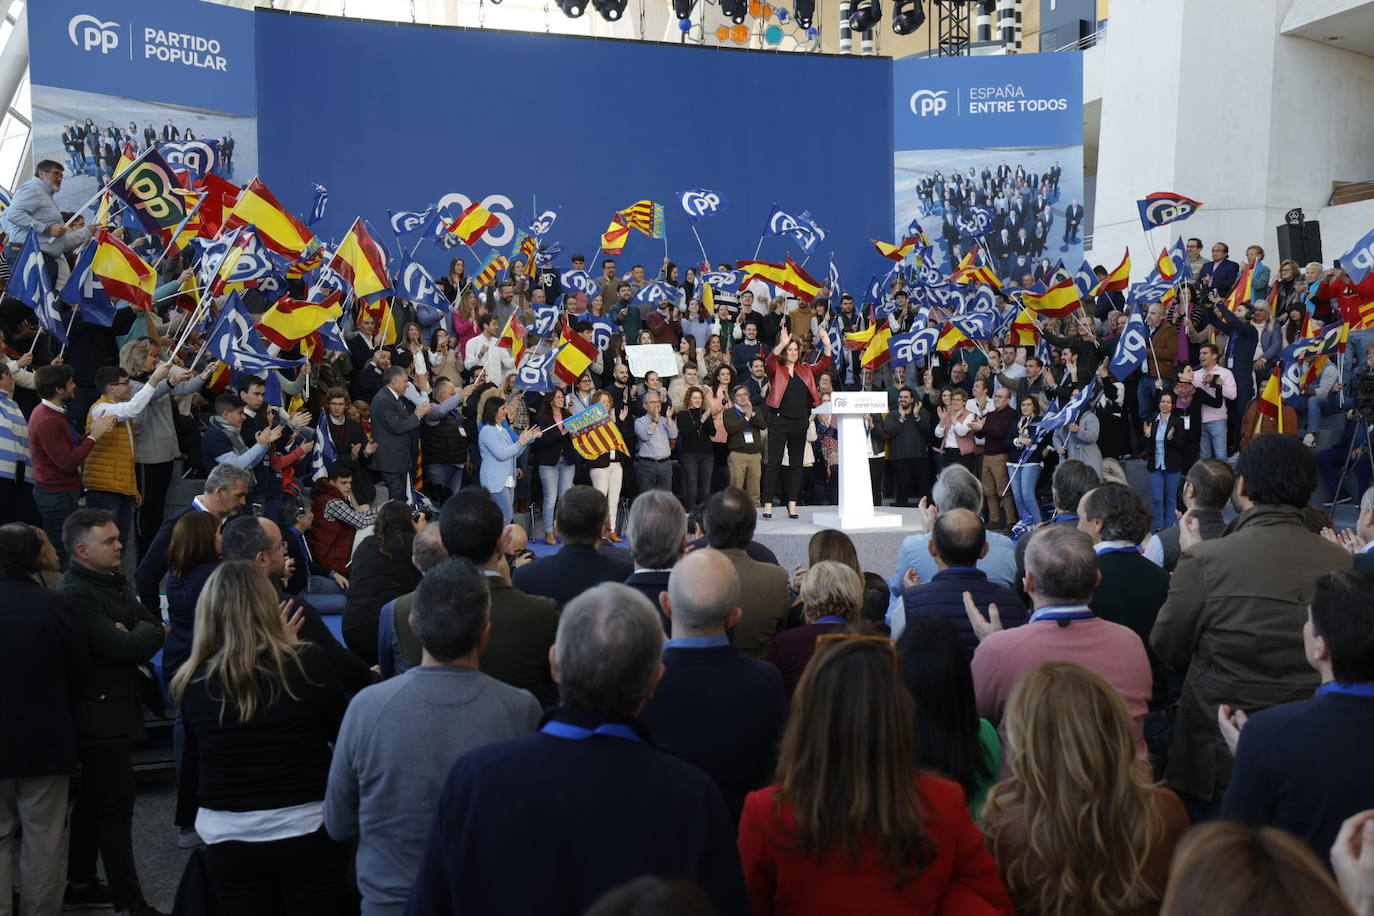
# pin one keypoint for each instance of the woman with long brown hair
(850, 825)
(792, 394)
(1079, 826)
(262, 708)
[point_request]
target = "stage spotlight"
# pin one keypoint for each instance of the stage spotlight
(682, 9)
(610, 10)
(867, 14)
(572, 8)
(737, 10)
(907, 16)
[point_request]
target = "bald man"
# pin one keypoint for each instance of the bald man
(957, 543)
(716, 707)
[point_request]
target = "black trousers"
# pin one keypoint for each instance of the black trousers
(102, 823)
(912, 479)
(789, 433)
(696, 478)
(153, 482)
(298, 876)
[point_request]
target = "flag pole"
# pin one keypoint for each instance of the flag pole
(37, 334)
(70, 321)
(191, 323)
(120, 174)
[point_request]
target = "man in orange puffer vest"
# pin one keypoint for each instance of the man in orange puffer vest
(108, 472)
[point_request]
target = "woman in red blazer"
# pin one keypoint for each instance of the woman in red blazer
(850, 825)
(791, 395)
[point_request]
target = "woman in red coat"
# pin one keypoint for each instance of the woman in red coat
(791, 394)
(851, 826)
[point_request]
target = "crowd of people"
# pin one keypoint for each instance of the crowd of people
(1154, 697)
(94, 150)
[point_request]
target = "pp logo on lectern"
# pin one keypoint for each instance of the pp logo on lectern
(88, 33)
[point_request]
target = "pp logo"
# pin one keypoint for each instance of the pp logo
(700, 203)
(198, 156)
(1134, 342)
(543, 222)
(453, 204)
(929, 102)
(1166, 211)
(408, 221)
(534, 369)
(1362, 259)
(784, 223)
(839, 401)
(89, 34)
(416, 281)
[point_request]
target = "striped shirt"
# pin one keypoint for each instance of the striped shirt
(14, 438)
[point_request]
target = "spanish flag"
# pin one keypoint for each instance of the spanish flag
(972, 268)
(877, 352)
(787, 275)
(613, 239)
(382, 319)
(708, 299)
(291, 320)
(1059, 301)
(1271, 399)
(1242, 292)
(1023, 331)
(219, 200)
(575, 354)
(278, 229)
(123, 274)
(493, 265)
(1165, 266)
(472, 223)
(1117, 280)
(513, 338)
(899, 251)
(951, 339)
(361, 262)
(858, 340)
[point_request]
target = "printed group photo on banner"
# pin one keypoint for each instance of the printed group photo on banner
(422, 494)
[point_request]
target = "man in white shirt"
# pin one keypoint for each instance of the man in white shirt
(482, 352)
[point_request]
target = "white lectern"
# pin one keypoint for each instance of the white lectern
(856, 488)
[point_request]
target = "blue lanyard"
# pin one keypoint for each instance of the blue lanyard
(1354, 690)
(1065, 518)
(578, 733)
(832, 620)
(1063, 612)
(1118, 550)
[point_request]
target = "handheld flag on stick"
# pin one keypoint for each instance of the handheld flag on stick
(149, 187)
(1359, 261)
(1059, 301)
(84, 292)
(896, 252)
(613, 239)
(973, 268)
(1242, 293)
(513, 337)
(640, 216)
(277, 228)
(1117, 280)
(290, 321)
(1164, 207)
(472, 224)
(700, 203)
(491, 268)
(317, 207)
(122, 273)
(359, 260)
(788, 276)
(912, 346)
(535, 371)
(575, 355)
(29, 284)
(594, 432)
(1131, 347)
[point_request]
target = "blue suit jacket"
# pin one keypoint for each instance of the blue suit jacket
(943, 596)
(1224, 274)
(498, 452)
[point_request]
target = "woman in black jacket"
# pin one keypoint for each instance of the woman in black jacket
(381, 571)
(695, 450)
(1164, 455)
(554, 455)
(262, 708)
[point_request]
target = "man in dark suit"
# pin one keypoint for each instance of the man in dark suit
(578, 565)
(716, 707)
(730, 523)
(1219, 274)
(958, 541)
(226, 491)
(1073, 219)
(658, 536)
(169, 132)
(395, 422)
(1205, 491)
(522, 626)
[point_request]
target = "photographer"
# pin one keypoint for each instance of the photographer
(1242, 342)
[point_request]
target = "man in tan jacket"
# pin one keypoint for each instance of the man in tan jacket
(730, 521)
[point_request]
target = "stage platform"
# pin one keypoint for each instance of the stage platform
(877, 547)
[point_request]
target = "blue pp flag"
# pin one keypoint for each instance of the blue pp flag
(541, 224)
(657, 292)
(414, 284)
(912, 346)
(602, 329)
(801, 226)
(536, 371)
(333, 340)
(1130, 347)
(29, 284)
(700, 203)
(1359, 261)
(545, 320)
(977, 223)
(318, 205)
(84, 292)
(408, 222)
(1085, 280)
(833, 279)
(325, 454)
(1070, 411)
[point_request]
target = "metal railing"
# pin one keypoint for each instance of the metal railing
(1087, 41)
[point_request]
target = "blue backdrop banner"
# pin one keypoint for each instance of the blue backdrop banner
(179, 52)
(402, 117)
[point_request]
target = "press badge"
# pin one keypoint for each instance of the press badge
(1187, 422)
(748, 437)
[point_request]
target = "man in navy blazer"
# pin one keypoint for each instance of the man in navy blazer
(957, 543)
(716, 707)
(395, 425)
(1219, 274)
(658, 537)
(578, 565)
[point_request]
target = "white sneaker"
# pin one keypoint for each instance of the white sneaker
(1309, 440)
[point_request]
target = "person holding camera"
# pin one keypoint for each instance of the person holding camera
(1214, 382)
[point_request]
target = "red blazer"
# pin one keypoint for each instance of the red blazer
(777, 378)
(962, 879)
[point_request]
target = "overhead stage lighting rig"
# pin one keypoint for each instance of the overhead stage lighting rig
(907, 16)
(952, 27)
(866, 14)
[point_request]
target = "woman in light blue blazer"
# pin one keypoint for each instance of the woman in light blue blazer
(499, 446)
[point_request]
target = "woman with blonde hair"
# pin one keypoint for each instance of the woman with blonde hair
(1079, 826)
(261, 709)
(832, 595)
(850, 824)
(1225, 868)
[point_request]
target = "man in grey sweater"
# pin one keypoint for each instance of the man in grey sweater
(400, 738)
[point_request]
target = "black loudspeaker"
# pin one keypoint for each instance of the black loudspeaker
(1302, 243)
